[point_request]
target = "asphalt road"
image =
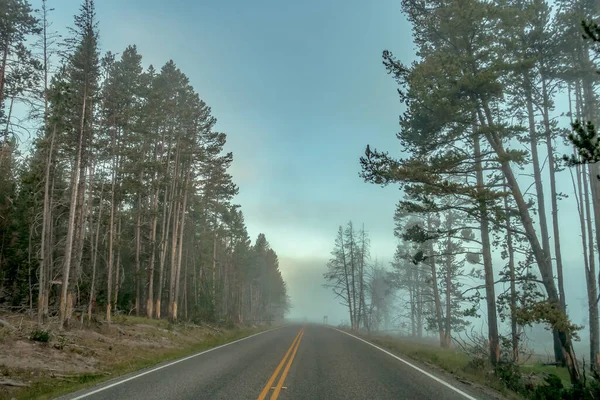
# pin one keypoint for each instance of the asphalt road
(290, 363)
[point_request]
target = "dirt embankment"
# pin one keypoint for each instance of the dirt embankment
(41, 363)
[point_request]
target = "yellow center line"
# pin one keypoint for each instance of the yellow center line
(286, 370)
(267, 387)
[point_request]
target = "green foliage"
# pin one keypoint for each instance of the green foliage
(549, 313)
(585, 140)
(40, 335)
(155, 190)
(510, 375)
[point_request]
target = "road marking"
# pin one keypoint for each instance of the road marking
(449, 386)
(267, 387)
(170, 364)
(286, 370)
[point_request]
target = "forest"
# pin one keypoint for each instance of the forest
(498, 107)
(122, 202)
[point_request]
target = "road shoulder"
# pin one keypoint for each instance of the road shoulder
(387, 344)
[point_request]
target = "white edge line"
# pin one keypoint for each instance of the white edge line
(449, 386)
(170, 364)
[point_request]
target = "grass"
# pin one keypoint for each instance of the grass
(562, 373)
(133, 320)
(47, 387)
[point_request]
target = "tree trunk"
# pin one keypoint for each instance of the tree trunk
(78, 240)
(163, 253)
(94, 250)
(448, 282)
(138, 245)
(181, 231)
(46, 219)
(553, 198)
(3, 67)
(513, 284)
(540, 257)
(346, 278)
(541, 202)
(47, 208)
(434, 285)
(118, 263)
(150, 297)
(214, 275)
(490, 292)
(111, 229)
(63, 316)
(591, 280)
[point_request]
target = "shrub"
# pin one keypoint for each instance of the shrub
(40, 335)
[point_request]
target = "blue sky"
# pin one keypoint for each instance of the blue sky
(299, 88)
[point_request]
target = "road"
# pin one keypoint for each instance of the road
(296, 362)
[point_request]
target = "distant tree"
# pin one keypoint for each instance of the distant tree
(346, 273)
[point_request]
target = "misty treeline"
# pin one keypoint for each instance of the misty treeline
(122, 202)
(482, 142)
(358, 281)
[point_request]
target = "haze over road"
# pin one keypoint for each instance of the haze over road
(293, 362)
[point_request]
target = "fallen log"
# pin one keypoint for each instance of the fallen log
(10, 382)
(7, 325)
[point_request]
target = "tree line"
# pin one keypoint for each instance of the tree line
(123, 201)
(483, 143)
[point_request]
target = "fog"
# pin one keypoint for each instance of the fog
(299, 106)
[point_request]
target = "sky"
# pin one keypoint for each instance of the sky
(300, 90)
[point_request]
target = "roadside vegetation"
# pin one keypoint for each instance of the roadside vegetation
(490, 169)
(45, 363)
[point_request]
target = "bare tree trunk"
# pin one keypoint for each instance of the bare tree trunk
(47, 208)
(118, 263)
(591, 280)
(539, 255)
(150, 298)
(513, 284)
(362, 278)
(50, 254)
(583, 209)
(111, 229)
(46, 220)
(214, 273)
(434, 285)
(3, 68)
(351, 243)
(181, 231)
(346, 279)
(541, 202)
(419, 296)
(553, 198)
(94, 239)
(448, 322)
(78, 240)
(490, 292)
(173, 263)
(138, 244)
(167, 211)
(163, 252)
(63, 316)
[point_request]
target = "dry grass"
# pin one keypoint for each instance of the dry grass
(82, 356)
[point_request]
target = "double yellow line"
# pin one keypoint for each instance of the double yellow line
(293, 349)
